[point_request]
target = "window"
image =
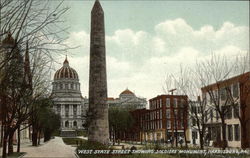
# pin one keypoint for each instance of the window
(175, 102)
(74, 123)
(236, 111)
(230, 132)
(61, 86)
(175, 113)
(168, 124)
(206, 116)
(223, 93)
(75, 110)
(66, 110)
(168, 113)
(72, 86)
(180, 113)
(236, 132)
(194, 135)
(66, 86)
(211, 115)
(67, 124)
(168, 102)
(160, 103)
(193, 121)
(229, 112)
(235, 90)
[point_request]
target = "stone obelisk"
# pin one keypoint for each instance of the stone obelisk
(98, 108)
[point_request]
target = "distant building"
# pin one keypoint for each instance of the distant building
(67, 97)
(239, 89)
(195, 112)
(128, 99)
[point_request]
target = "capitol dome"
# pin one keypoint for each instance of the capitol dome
(127, 91)
(126, 94)
(66, 72)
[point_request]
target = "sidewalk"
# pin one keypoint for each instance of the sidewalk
(53, 148)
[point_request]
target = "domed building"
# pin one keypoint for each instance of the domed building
(127, 99)
(67, 97)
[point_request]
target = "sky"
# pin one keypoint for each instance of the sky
(146, 40)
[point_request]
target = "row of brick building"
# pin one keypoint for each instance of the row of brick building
(168, 116)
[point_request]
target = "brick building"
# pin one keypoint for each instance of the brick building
(238, 88)
(167, 115)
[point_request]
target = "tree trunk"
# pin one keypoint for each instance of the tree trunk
(5, 140)
(10, 142)
(2, 131)
(224, 139)
(244, 141)
(201, 141)
(18, 139)
(34, 136)
(185, 137)
(39, 137)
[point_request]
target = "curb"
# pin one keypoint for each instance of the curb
(22, 155)
(76, 155)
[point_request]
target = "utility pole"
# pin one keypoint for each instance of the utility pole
(172, 91)
(174, 117)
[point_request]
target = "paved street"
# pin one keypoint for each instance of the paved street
(54, 148)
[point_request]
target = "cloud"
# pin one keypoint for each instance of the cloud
(140, 60)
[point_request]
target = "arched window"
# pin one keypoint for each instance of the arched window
(66, 123)
(74, 123)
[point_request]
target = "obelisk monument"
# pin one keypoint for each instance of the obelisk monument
(98, 108)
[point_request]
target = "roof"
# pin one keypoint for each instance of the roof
(168, 96)
(227, 82)
(127, 91)
(111, 99)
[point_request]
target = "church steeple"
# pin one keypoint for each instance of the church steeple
(27, 70)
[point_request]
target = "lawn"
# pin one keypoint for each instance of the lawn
(72, 141)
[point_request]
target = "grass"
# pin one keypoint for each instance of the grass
(72, 141)
(81, 133)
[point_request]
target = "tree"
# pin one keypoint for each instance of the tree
(213, 76)
(26, 22)
(120, 121)
(48, 120)
(187, 83)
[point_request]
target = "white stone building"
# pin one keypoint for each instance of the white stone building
(67, 97)
(128, 99)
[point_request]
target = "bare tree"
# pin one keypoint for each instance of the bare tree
(187, 83)
(37, 24)
(214, 77)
